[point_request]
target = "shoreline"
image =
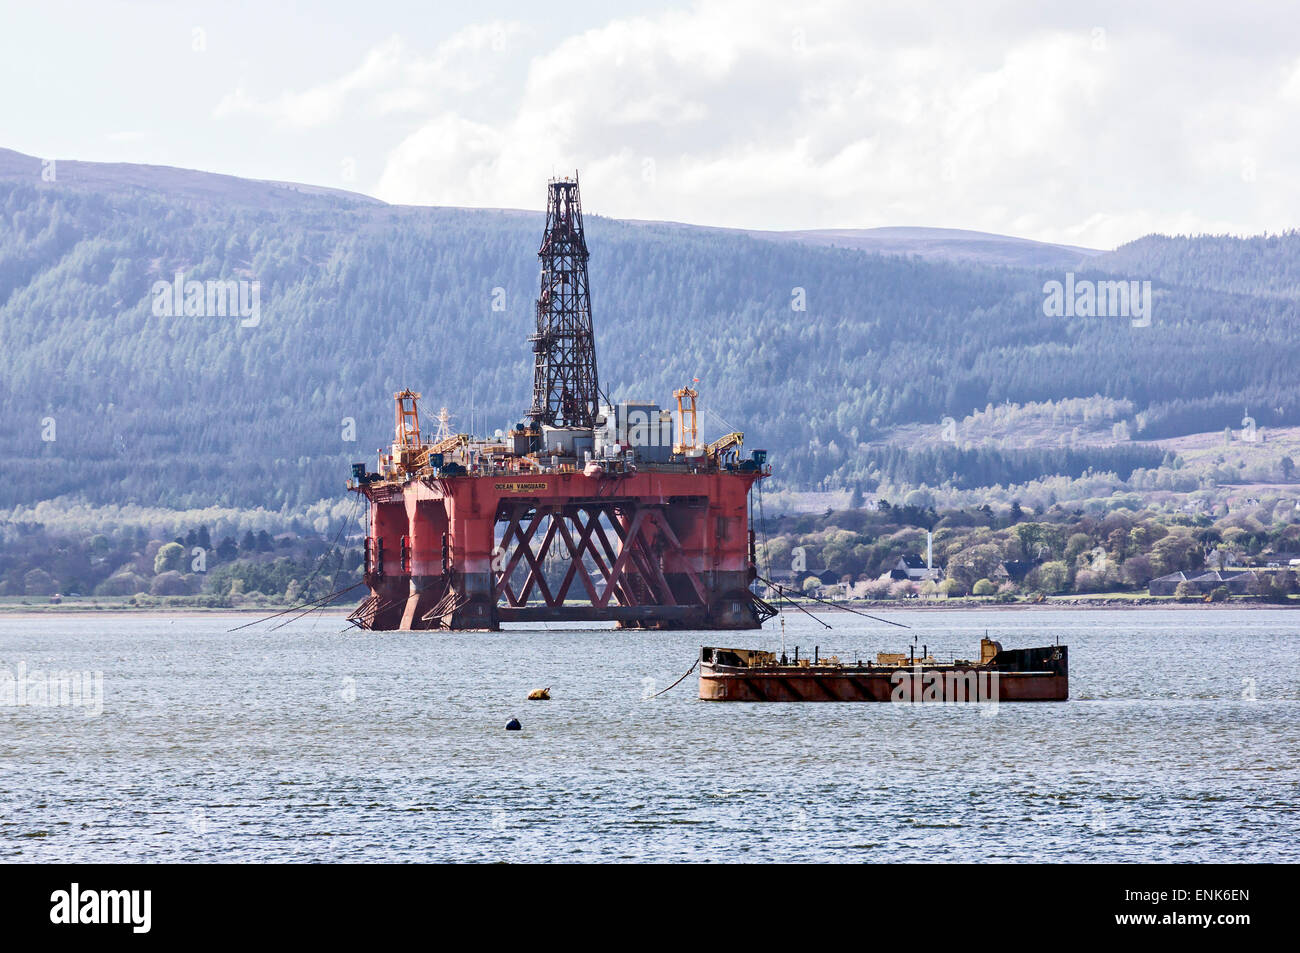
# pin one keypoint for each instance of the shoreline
(39, 612)
(1108, 604)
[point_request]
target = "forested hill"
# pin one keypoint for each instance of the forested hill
(359, 299)
(1262, 264)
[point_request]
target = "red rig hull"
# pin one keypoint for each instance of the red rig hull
(646, 549)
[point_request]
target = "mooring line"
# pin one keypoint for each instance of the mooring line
(833, 605)
(320, 564)
(319, 604)
(676, 683)
(781, 592)
(301, 605)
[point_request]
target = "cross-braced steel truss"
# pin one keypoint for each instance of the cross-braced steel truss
(602, 552)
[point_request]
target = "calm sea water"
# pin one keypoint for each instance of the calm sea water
(1180, 743)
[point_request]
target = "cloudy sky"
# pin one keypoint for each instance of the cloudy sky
(1088, 123)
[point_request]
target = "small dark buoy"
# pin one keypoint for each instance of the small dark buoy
(513, 725)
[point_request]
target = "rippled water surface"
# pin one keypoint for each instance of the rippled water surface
(1180, 743)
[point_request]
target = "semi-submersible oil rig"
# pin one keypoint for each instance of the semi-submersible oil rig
(587, 511)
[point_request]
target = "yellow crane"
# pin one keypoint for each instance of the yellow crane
(683, 411)
(449, 444)
(408, 419)
(723, 444)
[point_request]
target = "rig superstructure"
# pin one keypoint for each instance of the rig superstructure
(586, 511)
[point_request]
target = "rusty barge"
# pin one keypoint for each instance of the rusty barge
(1000, 675)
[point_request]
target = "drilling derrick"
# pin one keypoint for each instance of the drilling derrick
(587, 511)
(566, 388)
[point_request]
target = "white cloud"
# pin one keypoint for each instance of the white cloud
(389, 80)
(1008, 118)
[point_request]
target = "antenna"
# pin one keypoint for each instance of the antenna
(444, 426)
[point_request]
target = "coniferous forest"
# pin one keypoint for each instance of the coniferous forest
(817, 353)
